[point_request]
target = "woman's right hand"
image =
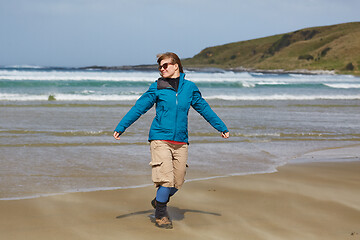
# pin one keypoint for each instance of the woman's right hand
(116, 135)
(225, 135)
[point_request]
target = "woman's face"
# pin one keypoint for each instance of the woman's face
(168, 69)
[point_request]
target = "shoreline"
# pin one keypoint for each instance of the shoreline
(153, 67)
(99, 189)
(301, 201)
(343, 154)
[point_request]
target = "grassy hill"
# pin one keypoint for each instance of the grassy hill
(335, 47)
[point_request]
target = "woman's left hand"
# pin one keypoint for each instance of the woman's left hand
(116, 135)
(225, 135)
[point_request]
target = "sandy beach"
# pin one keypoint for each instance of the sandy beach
(300, 201)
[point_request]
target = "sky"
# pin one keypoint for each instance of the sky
(78, 33)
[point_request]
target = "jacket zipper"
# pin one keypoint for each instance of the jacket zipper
(176, 113)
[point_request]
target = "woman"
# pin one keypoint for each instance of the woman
(168, 136)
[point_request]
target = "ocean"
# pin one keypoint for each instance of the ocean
(56, 126)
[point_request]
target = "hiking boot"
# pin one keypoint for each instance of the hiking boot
(163, 222)
(153, 203)
(161, 210)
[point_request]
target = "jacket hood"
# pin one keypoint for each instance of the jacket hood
(162, 83)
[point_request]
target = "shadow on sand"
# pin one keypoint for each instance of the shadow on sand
(175, 213)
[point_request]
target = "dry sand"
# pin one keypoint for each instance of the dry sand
(300, 201)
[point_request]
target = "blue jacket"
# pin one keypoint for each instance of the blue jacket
(172, 108)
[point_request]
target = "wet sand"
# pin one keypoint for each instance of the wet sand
(300, 201)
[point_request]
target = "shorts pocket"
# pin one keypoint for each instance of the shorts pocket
(159, 173)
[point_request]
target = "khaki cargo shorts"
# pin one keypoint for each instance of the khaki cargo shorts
(168, 163)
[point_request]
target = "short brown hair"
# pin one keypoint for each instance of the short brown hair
(174, 59)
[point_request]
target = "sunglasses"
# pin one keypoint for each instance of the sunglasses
(165, 66)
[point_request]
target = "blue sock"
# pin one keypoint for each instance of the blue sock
(162, 194)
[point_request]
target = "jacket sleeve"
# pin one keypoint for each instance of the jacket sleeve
(142, 105)
(202, 107)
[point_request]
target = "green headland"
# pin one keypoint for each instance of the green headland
(334, 48)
